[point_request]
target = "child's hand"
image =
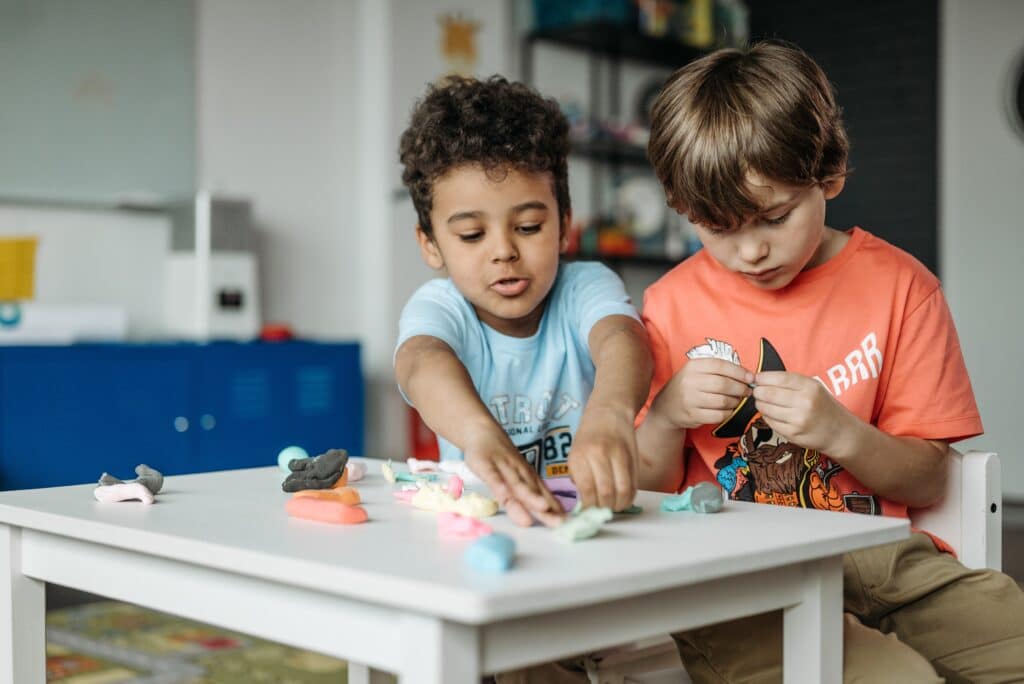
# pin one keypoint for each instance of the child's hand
(513, 482)
(704, 392)
(603, 462)
(802, 409)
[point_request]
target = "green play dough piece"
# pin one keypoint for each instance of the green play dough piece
(583, 524)
(704, 497)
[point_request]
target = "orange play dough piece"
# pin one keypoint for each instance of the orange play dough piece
(345, 495)
(324, 510)
(342, 481)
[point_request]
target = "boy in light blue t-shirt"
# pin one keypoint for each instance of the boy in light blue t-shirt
(525, 367)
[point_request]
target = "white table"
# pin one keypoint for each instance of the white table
(219, 548)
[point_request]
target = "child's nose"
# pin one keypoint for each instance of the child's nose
(753, 250)
(504, 250)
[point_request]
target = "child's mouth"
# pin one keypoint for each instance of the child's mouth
(510, 287)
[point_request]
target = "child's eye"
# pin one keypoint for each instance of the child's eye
(780, 219)
(530, 230)
(471, 237)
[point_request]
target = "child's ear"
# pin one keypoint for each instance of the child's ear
(563, 232)
(428, 249)
(833, 186)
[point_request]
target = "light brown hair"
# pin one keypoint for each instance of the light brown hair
(767, 109)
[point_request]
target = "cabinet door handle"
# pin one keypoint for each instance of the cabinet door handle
(207, 422)
(181, 424)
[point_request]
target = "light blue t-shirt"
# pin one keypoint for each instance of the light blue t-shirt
(535, 387)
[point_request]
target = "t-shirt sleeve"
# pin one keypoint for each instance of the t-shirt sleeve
(595, 292)
(434, 310)
(928, 392)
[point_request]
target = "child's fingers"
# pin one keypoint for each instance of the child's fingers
(583, 478)
(525, 486)
(782, 379)
(725, 369)
(625, 482)
(719, 384)
(604, 482)
(517, 513)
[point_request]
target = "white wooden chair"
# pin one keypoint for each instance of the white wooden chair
(969, 518)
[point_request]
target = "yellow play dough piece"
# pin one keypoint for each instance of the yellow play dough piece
(431, 497)
(388, 471)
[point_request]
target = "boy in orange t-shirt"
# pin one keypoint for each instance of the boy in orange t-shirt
(800, 365)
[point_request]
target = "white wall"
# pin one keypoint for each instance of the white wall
(300, 105)
(97, 257)
(982, 205)
(276, 110)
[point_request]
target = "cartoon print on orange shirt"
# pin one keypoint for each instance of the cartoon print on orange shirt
(765, 467)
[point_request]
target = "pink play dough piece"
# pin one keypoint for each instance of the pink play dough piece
(356, 470)
(126, 491)
(418, 465)
(325, 510)
(455, 486)
(455, 526)
(405, 495)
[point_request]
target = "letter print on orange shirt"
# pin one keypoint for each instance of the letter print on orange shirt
(764, 466)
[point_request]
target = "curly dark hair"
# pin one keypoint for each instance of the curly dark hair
(493, 123)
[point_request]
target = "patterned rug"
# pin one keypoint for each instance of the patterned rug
(116, 643)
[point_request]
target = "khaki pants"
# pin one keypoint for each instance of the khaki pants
(913, 614)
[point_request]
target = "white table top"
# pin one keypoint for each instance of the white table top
(236, 521)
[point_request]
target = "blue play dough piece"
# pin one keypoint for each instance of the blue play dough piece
(288, 454)
(704, 497)
(493, 553)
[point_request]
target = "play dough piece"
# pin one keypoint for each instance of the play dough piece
(703, 497)
(342, 481)
(455, 526)
(151, 479)
(583, 524)
(454, 486)
(405, 495)
(493, 553)
(355, 470)
(632, 510)
(345, 495)
(387, 471)
(324, 510)
(289, 454)
(123, 491)
(417, 465)
(462, 470)
(320, 472)
(402, 476)
(431, 497)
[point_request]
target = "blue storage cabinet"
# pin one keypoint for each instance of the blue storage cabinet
(254, 400)
(69, 413)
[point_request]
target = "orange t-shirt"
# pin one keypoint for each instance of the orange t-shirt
(871, 324)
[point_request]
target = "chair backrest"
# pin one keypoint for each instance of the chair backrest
(970, 516)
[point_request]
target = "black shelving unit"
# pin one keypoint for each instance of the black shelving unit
(614, 43)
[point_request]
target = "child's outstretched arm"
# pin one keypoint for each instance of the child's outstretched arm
(436, 382)
(910, 470)
(602, 461)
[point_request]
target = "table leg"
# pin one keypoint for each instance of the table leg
(22, 616)
(435, 651)
(813, 628)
